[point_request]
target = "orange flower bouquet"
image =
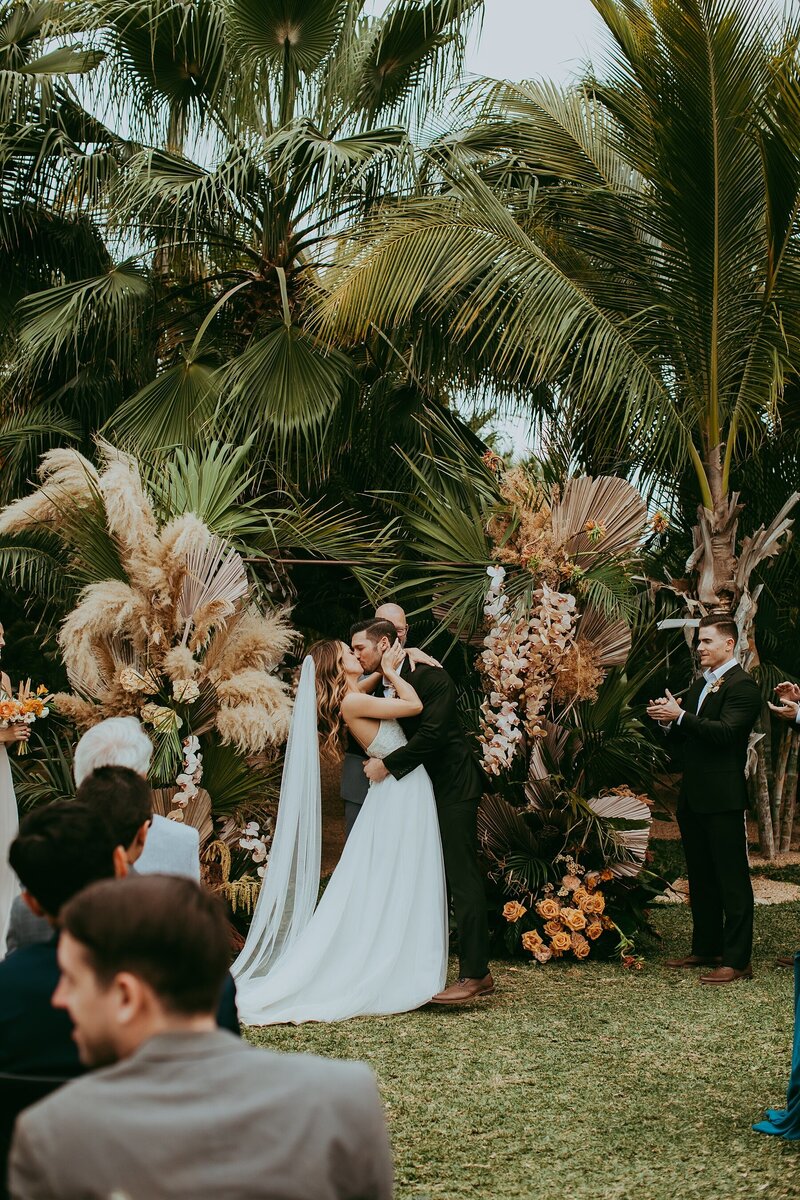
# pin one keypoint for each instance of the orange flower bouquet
(565, 917)
(24, 708)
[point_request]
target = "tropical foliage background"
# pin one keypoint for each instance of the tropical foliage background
(298, 269)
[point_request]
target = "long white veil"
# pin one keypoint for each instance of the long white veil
(291, 883)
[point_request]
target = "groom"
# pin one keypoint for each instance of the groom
(437, 742)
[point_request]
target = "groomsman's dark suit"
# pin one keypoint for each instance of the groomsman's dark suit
(437, 742)
(710, 747)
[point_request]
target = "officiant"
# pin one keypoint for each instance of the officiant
(708, 735)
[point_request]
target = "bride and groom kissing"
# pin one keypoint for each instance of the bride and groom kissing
(377, 941)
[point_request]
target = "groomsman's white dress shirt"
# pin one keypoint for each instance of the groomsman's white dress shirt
(711, 677)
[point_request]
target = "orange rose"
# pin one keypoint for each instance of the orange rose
(561, 941)
(580, 897)
(548, 909)
(513, 911)
(594, 929)
(573, 918)
(606, 874)
(592, 879)
(531, 940)
(596, 903)
(580, 946)
(606, 922)
(543, 954)
(570, 882)
(551, 928)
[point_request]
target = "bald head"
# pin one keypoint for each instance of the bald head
(395, 614)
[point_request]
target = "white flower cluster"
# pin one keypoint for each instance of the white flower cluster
(256, 842)
(192, 772)
(519, 664)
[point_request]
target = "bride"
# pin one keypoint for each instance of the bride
(377, 941)
(9, 821)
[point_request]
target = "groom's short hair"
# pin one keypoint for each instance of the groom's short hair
(375, 630)
(723, 623)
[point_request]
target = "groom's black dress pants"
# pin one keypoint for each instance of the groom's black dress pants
(720, 891)
(458, 822)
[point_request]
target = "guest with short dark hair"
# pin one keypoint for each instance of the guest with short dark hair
(122, 803)
(176, 1099)
(60, 849)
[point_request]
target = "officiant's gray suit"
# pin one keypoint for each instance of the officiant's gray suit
(202, 1116)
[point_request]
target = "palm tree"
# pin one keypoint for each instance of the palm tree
(254, 130)
(630, 242)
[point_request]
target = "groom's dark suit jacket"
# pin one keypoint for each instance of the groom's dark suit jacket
(437, 741)
(710, 747)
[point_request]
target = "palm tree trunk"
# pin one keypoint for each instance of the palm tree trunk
(789, 799)
(766, 839)
(784, 746)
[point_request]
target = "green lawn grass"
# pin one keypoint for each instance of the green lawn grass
(588, 1082)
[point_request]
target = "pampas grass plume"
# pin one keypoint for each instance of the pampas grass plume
(129, 516)
(103, 610)
(82, 713)
(254, 642)
(180, 663)
(251, 728)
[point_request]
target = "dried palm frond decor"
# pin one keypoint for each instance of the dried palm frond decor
(173, 637)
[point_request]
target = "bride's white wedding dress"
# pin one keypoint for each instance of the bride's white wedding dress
(377, 942)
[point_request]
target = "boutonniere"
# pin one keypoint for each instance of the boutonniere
(716, 685)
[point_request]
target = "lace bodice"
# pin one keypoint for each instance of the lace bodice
(388, 738)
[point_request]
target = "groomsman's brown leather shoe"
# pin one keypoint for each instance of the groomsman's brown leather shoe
(464, 991)
(784, 960)
(727, 975)
(693, 960)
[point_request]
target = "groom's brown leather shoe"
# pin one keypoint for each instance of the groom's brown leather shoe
(727, 975)
(693, 960)
(784, 960)
(464, 991)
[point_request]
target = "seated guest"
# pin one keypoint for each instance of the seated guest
(172, 848)
(120, 800)
(178, 1107)
(60, 849)
(168, 847)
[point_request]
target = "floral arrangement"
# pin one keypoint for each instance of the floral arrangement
(544, 645)
(522, 653)
(567, 917)
(24, 708)
(174, 638)
(567, 862)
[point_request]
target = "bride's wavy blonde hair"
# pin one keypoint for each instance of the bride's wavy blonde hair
(331, 691)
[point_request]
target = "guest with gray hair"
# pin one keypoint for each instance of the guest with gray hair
(170, 848)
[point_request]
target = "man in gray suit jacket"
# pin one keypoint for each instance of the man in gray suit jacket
(178, 1107)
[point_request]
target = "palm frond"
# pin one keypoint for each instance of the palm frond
(161, 415)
